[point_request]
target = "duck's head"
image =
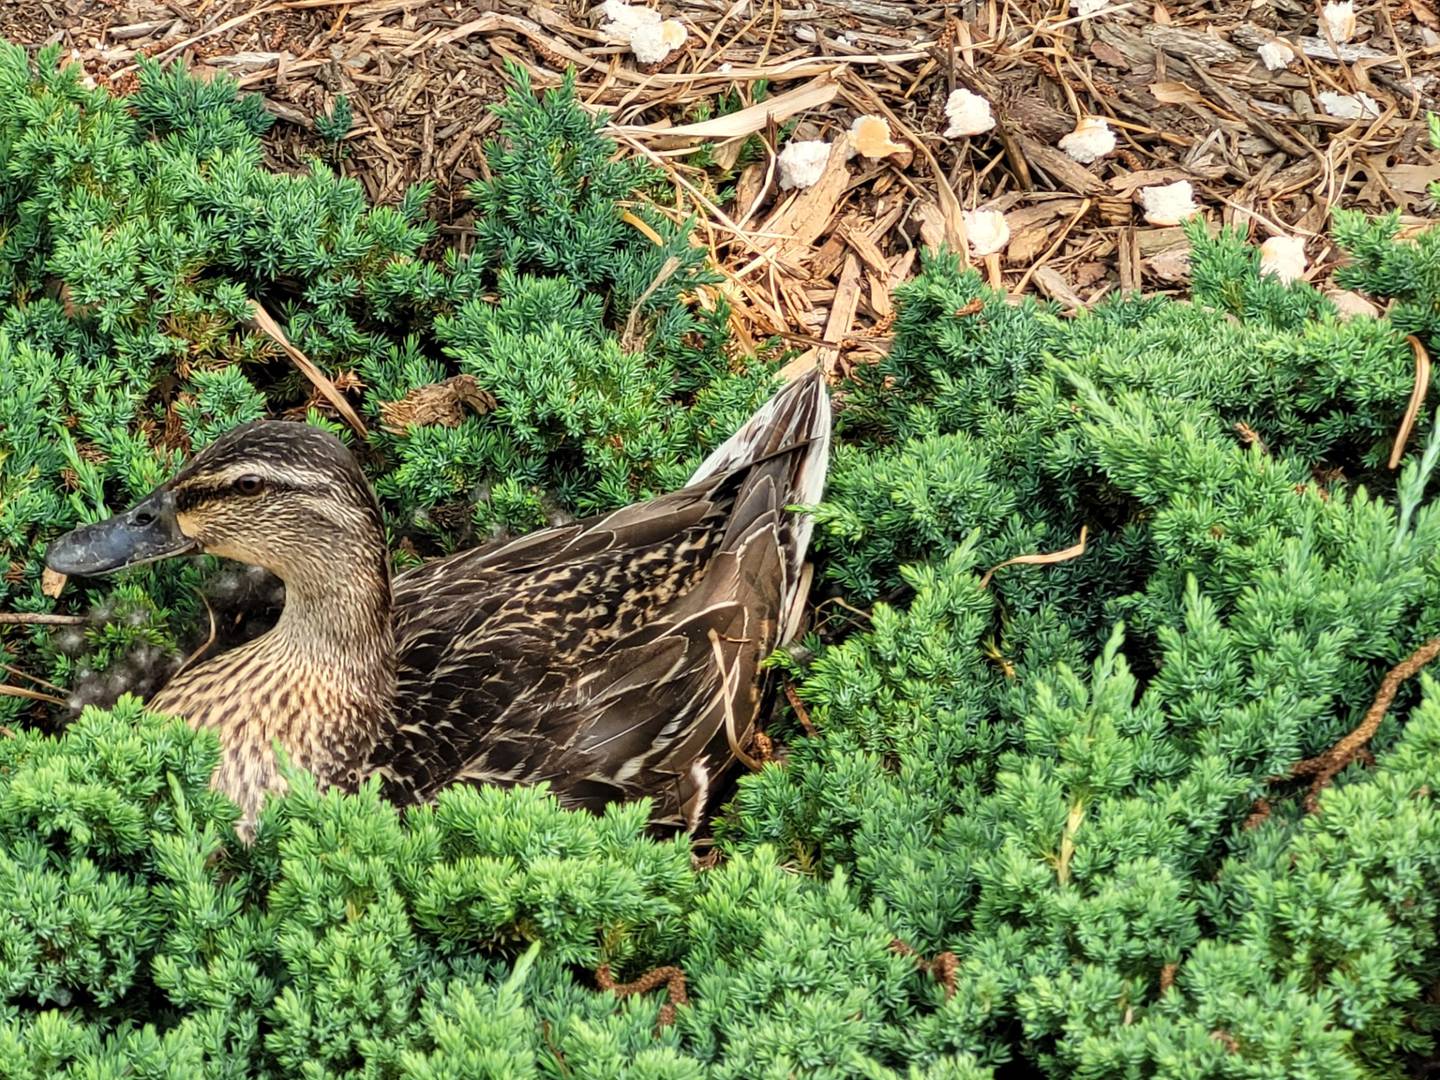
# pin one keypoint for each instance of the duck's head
(282, 495)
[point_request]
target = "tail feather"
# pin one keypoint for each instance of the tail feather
(799, 412)
(785, 449)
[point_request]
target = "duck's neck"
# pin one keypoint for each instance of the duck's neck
(321, 682)
(339, 608)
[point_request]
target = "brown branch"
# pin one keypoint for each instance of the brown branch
(6, 690)
(802, 714)
(1259, 814)
(39, 618)
(671, 977)
(1324, 767)
(943, 967)
(13, 670)
(1252, 437)
(261, 320)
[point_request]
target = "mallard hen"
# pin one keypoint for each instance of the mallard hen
(614, 658)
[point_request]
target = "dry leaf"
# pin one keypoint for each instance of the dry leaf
(442, 403)
(1412, 179)
(1108, 54)
(1351, 305)
(1027, 244)
(1174, 93)
(262, 320)
(1049, 281)
(1072, 552)
(1086, 274)
(1424, 14)
(1417, 400)
(1172, 265)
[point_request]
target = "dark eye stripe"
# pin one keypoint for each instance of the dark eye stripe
(193, 495)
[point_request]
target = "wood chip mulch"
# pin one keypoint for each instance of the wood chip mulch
(1180, 82)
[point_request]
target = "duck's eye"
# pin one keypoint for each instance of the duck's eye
(249, 484)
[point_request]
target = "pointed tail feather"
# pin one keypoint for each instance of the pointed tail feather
(785, 447)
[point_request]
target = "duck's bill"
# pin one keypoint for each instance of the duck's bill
(145, 533)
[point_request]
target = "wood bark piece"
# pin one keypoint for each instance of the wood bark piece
(842, 313)
(52, 582)
(754, 118)
(931, 223)
(1067, 172)
(867, 249)
(806, 217)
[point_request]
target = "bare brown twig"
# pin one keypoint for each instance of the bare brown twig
(943, 967)
(39, 618)
(670, 977)
(1324, 767)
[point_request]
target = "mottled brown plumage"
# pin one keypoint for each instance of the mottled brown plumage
(614, 658)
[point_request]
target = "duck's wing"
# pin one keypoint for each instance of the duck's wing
(619, 656)
(644, 715)
(503, 630)
(664, 713)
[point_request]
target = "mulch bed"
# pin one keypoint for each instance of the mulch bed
(1182, 86)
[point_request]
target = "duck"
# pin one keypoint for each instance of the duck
(613, 658)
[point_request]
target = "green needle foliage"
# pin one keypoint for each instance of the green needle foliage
(1021, 838)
